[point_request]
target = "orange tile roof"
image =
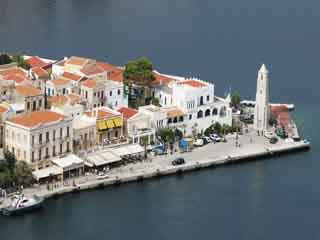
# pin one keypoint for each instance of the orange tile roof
(90, 83)
(92, 69)
(3, 109)
(77, 61)
(28, 91)
(161, 80)
(60, 81)
(62, 100)
(14, 70)
(18, 78)
(32, 119)
(174, 112)
(106, 66)
(127, 112)
(193, 83)
(116, 74)
(40, 72)
(71, 76)
(102, 114)
(35, 61)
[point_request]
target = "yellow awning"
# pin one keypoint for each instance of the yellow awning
(110, 124)
(118, 122)
(102, 125)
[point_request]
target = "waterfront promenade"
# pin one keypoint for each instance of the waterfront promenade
(251, 148)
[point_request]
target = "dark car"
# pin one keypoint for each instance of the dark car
(273, 140)
(178, 161)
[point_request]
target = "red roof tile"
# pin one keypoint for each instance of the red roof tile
(71, 76)
(34, 118)
(28, 91)
(127, 112)
(77, 61)
(90, 83)
(92, 69)
(102, 114)
(116, 75)
(40, 72)
(35, 61)
(161, 80)
(60, 81)
(193, 83)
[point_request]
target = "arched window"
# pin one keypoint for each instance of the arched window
(207, 113)
(200, 114)
(175, 120)
(215, 112)
(181, 119)
(170, 120)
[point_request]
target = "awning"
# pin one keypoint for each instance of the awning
(128, 150)
(69, 162)
(102, 125)
(110, 124)
(46, 172)
(118, 122)
(103, 158)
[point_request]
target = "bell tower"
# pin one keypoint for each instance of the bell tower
(262, 111)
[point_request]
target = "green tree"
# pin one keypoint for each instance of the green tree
(20, 61)
(139, 73)
(217, 128)
(11, 160)
(5, 59)
(145, 142)
(235, 99)
(166, 134)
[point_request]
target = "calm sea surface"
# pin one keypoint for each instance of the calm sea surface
(223, 41)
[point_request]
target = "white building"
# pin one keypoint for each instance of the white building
(115, 94)
(195, 99)
(262, 110)
(58, 87)
(37, 137)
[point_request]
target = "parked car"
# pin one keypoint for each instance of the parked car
(178, 161)
(102, 175)
(273, 140)
(215, 137)
(268, 134)
(199, 142)
(206, 140)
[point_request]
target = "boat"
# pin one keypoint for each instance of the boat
(21, 204)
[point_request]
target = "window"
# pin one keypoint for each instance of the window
(110, 93)
(54, 135)
(201, 100)
(47, 136)
(208, 98)
(86, 94)
(47, 152)
(98, 94)
(116, 134)
(60, 148)
(85, 136)
(119, 92)
(32, 140)
(68, 129)
(68, 147)
(40, 138)
(102, 94)
(94, 94)
(39, 154)
(40, 103)
(190, 116)
(60, 132)
(53, 150)
(28, 105)
(32, 156)
(34, 105)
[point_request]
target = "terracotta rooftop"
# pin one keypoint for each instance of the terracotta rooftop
(3, 109)
(40, 72)
(193, 83)
(161, 80)
(90, 83)
(106, 66)
(18, 78)
(35, 61)
(174, 112)
(92, 69)
(60, 81)
(79, 61)
(127, 112)
(102, 114)
(71, 76)
(28, 91)
(32, 119)
(62, 100)
(14, 70)
(116, 74)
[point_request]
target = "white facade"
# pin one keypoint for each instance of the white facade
(115, 95)
(39, 143)
(70, 110)
(197, 100)
(262, 111)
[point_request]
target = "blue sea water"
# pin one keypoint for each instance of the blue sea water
(223, 41)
